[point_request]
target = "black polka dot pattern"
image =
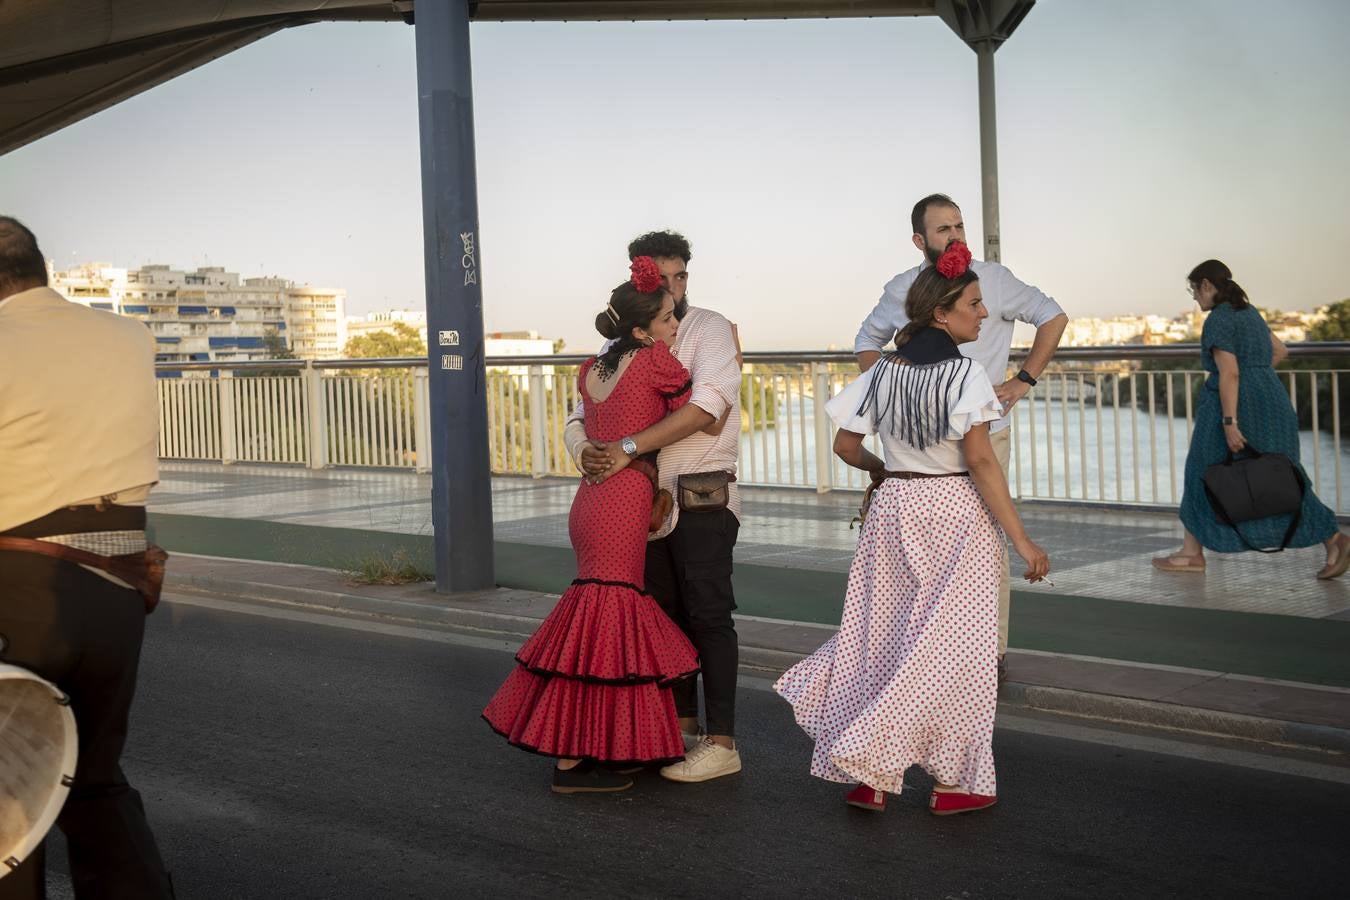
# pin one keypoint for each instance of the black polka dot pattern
(594, 680)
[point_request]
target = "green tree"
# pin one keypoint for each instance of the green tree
(1336, 326)
(276, 348)
(400, 340)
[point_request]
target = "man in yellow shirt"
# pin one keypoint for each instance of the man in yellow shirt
(78, 456)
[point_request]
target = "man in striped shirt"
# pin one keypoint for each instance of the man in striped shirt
(689, 558)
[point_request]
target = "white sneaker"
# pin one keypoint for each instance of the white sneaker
(705, 762)
(692, 740)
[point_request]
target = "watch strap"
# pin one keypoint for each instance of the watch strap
(1024, 376)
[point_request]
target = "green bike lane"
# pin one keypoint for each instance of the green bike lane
(1263, 645)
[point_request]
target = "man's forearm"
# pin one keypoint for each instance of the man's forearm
(1045, 345)
(574, 435)
(675, 427)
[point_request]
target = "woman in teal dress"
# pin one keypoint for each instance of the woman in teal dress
(1243, 400)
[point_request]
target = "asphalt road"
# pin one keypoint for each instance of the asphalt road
(282, 757)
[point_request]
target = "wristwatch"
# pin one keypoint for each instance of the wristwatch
(1228, 420)
(1025, 376)
(629, 446)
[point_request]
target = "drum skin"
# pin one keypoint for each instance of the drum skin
(38, 747)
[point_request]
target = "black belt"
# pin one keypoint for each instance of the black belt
(887, 473)
(82, 520)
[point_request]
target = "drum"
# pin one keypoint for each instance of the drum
(37, 744)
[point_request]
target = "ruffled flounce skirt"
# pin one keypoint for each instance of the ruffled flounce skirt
(593, 682)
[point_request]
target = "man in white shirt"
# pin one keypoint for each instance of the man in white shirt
(78, 456)
(689, 559)
(937, 223)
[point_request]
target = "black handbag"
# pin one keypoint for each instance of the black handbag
(1255, 487)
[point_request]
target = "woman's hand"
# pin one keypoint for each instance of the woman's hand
(1233, 435)
(619, 462)
(1038, 563)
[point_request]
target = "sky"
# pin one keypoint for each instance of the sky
(1134, 140)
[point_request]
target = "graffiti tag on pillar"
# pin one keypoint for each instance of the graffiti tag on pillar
(467, 260)
(449, 338)
(452, 362)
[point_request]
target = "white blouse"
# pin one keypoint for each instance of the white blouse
(921, 412)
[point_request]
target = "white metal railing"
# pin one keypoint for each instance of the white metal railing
(1099, 428)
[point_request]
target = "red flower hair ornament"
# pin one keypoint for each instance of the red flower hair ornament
(646, 274)
(954, 261)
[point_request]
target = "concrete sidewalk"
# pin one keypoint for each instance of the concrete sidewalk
(1226, 704)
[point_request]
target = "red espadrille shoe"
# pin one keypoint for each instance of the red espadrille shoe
(865, 797)
(947, 803)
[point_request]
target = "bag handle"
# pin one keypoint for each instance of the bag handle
(1232, 457)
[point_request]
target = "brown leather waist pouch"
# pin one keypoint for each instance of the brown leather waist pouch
(143, 571)
(704, 491)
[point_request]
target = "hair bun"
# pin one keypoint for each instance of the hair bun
(605, 325)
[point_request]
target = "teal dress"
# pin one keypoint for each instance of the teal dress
(1265, 418)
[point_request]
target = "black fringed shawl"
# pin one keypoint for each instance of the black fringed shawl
(911, 386)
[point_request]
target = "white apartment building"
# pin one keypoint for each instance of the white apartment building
(210, 315)
(384, 320)
(1152, 329)
(496, 343)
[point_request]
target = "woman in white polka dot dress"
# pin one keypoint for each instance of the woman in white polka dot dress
(911, 677)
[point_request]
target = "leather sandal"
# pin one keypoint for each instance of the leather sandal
(1340, 563)
(1173, 562)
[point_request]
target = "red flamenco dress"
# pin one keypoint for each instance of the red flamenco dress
(594, 682)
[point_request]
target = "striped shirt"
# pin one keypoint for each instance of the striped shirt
(707, 348)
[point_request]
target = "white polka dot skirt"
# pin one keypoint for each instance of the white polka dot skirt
(912, 675)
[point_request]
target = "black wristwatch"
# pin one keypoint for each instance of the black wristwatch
(1025, 376)
(1228, 420)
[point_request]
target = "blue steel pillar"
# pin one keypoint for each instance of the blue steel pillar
(461, 490)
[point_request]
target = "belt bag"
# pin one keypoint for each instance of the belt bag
(1255, 487)
(143, 571)
(704, 491)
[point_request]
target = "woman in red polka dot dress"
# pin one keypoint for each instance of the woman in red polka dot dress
(912, 675)
(593, 684)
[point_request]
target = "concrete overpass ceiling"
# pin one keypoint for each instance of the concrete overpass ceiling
(63, 60)
(659, 10)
